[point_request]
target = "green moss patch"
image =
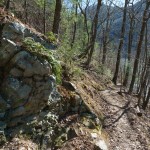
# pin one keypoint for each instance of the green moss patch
(40, 51)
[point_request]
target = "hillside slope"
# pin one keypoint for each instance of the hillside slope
(116, 16)
(86, 112)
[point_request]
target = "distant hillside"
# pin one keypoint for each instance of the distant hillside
(116, 19)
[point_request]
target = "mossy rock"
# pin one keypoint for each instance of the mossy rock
(41, 52)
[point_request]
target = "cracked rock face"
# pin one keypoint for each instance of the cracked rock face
(27, 84)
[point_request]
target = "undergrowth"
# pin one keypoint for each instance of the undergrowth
(51, 37)
(67, 55)
(40, 51)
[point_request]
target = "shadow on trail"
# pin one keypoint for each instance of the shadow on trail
(123, 107)
(126, 108)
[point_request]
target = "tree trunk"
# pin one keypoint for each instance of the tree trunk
(121, 43)
(75, 26)
(26, 11)
(145, 60)
(145, 103)
(85, 28)
(57, 16)
(93, 34)
(146, 16)
(44, 12)
(104, 52)
(7, 5)
(1, 32)
(105, 39)
(143, 82)
(130, 40)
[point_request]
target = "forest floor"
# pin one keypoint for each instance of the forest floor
(124, 128)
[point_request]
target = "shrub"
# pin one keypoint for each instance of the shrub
(51, 37)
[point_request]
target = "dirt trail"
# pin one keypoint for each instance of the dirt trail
(126, 130)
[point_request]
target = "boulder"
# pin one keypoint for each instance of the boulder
(27, 81)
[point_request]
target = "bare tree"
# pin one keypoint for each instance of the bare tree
(84, 13)
(146, 101)
(75, 25)
(146, 16)
(120, 43)
(1, 32)
(26, 11)
(130, 41)
(144, 81)
(7, 4)
(106, 30)
(57, 15)
(44, 17)
(90, 48)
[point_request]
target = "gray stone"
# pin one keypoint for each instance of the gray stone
(31, 65)
(7, 51)
(16, 102)
(16, 91)
(2, 125)
(18, 112)
(51, 78)
(28, 81)
(3, 104)
(17, 32)
(38, 78)
(14, 31)
(24, 91)
(70, 86)
(14, 122)
(2, 114)
(17, 27)
(10, 86)
(101, 144)
(16, 72)
(54, 97)
(21, 60)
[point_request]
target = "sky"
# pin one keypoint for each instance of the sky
(117, 2)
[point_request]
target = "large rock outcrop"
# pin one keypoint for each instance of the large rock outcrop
(27, 82)
(29, 101)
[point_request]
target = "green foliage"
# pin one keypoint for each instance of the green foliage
(40, 51)
(103, 70)
(76, 71)
(1, 2)
(48, 3)
(68, 56)
(40, 3)
(51, 37)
